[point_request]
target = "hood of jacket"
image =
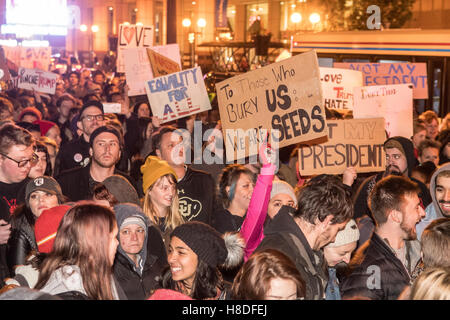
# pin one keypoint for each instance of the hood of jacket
(124, 211)
(437, 208)
(408, 147)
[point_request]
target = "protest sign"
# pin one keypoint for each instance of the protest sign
(110, 107)
(137, 70)
(284, 97)
(178, 95)
(354, 143)
(160, 64)
(132, 36)
(29, 57)
(38, 80)
(392, 73)
(4, 70)
(337, 87)
(392, 102)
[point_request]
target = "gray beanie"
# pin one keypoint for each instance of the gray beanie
(121, 189)
(283, 187)
(346, 236)
(135, 219)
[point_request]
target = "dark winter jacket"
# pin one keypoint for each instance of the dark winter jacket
(376, 272)
(74, 154)
(224, 221)
(197, 196)
(137, 281)
(282, 233)
(21, 242)
(77, 183)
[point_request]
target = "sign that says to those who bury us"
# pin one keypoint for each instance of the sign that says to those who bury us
(351, 143)
(284, 97)
(337, 87)
(178, 95)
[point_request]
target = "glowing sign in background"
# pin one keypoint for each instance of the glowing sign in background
(37, 13)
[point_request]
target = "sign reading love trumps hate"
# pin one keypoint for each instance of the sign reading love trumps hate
(376, 74)
(284, 97)
(178, 94)
(38, 80)
(354, 143)
(132, 36)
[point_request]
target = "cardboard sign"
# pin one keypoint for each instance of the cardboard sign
(132, 36)
(392, 102)
(351, 143)
(393, 73)
(337, 87)
(4, 70)
(285, 97)
(38, 80)
(160, 64)
(178, 95)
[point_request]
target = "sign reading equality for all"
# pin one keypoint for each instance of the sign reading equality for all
(354, 143)
(178, 95)
(337, 87)
(132, 36)
(38, 80)
(392, 102)
(393, 73)
(284, 97)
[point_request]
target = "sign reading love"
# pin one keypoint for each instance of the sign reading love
(132, 36)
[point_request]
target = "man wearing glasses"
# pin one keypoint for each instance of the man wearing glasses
(16, 159)
(75, 154)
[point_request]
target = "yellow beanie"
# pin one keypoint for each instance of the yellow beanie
(153, 169)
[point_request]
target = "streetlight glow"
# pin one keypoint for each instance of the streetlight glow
(201, 23)
(296, 17)
(83, 28)
(94, 28)
(186, 22)
(314, 18)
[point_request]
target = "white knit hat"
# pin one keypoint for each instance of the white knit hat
(283, 187)
(346, 236)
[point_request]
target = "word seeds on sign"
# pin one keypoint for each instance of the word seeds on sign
(38, 80)
(284, 97)
(132, 36)
(337, 87)
(376, 74)
(393, 102)
(178, 95)
(354, 143)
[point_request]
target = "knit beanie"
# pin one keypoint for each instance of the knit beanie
(153, 169)
(346, 236)
(47, 225)
(121, 189)
(44, 126)
(168, 294)
(205, 241)
(135, 219)
(30, 110)
(283, 187)
(106, 128)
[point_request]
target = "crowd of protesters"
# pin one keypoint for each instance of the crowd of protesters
(99, 206)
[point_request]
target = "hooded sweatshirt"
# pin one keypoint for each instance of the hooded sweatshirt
(433, 211)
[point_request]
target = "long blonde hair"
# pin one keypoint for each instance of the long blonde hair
(432, 284)
(174, 217)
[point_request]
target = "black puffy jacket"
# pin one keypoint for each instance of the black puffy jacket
(376, 273)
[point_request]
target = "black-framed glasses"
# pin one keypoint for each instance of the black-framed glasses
(98, 117)
(22, 163)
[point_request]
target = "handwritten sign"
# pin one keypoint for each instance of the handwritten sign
(4, 70)
(393, 73)
(160, 64)
(178, 95)
(337, 87)
(392, 102)
(38, 80)
(285, 97)
(29, 57)
(351, 143)
(132, 36)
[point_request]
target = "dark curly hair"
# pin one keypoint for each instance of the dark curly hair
(324, 195)
(205, 285)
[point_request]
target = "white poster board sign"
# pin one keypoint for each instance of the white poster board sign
(38, 80)
(394, 103)
(132, 36)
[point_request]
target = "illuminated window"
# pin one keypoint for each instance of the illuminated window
(257, 14)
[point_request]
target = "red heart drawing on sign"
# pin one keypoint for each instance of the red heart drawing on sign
(128, 33)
